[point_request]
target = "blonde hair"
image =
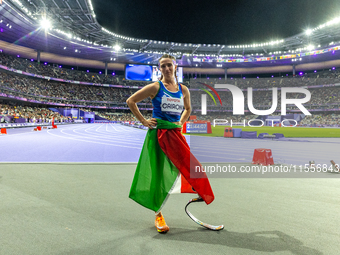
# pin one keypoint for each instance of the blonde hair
(173, 60)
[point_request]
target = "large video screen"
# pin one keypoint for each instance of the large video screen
(156, 73)
(147, 73)
(138, 72)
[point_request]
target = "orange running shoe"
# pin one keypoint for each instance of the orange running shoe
(161, 225)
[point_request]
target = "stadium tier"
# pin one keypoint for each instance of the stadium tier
(42, 83)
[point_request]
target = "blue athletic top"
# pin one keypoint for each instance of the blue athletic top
(168, 105)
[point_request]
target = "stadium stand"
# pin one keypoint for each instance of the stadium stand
(322, 85)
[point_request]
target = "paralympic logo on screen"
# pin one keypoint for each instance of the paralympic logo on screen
(238, 100)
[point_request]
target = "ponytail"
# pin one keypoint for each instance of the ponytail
(176, 79)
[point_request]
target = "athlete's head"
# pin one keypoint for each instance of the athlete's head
(167, 66)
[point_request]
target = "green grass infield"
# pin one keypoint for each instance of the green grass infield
(286, 131)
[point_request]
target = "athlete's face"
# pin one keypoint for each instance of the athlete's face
(167, 67)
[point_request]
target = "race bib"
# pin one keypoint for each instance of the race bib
(172, 106)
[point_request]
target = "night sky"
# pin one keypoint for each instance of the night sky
(215, 21)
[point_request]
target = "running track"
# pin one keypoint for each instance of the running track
(118, 143)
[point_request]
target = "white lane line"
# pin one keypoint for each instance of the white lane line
(31, 132)
(99, 127)
(75, 139)
(114, 128)
(115, 138)
(121, 141)
(112, 135)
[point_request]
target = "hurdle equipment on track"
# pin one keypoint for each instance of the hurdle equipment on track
(263, 157)
(228, 132)
(3, 131)
(39, 128)
(35, 129)
(53, 126)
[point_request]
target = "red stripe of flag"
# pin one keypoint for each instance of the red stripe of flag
(213, 90)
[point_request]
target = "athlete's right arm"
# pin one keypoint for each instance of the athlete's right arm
(148, 91)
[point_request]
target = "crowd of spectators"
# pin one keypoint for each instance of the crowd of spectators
(321, 119)
(57, 71)
(68, 93)
(113, 115)
(328, 76)
(52, 91)
(11, 113)
(59, 92)
(321, 98)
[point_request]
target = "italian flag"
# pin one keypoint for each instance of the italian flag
(164, 167)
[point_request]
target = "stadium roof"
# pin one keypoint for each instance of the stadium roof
(74, 31)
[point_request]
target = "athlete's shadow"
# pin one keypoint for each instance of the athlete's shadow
(266, 241)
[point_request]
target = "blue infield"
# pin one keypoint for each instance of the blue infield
(118, 143)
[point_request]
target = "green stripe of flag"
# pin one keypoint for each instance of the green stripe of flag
(155, 174)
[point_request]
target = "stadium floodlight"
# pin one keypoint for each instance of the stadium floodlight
(45, 23)
(309, 31)
(310, 47)
(117, 47)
